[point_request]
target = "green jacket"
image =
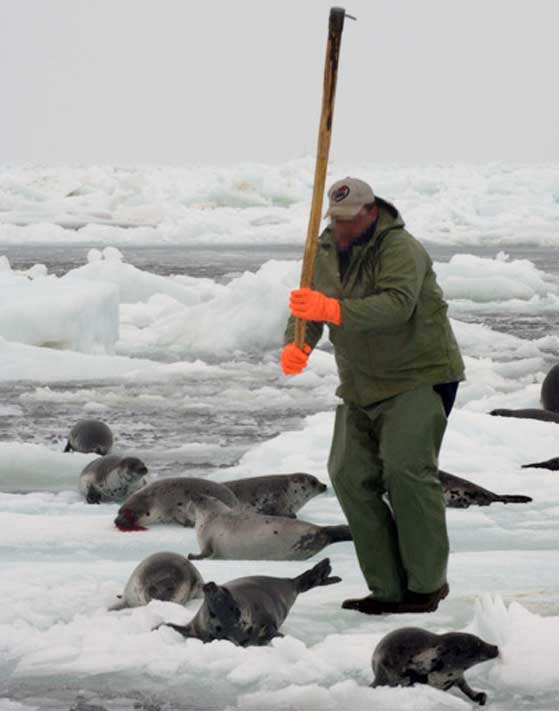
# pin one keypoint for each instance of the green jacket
(395, 334)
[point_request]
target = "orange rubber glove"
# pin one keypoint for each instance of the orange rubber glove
(294, 359)
(314, 306)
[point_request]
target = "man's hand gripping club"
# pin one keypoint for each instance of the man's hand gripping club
(312, 306)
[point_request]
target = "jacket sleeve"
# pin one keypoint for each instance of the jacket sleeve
(398, 282)
(312, 334)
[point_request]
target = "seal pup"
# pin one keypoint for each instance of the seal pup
(231, 534)
(461, 493)
(250, 611)
(528, 413)
(166, 501)
(411, 655)
(161, 576)
(551, 464)
(112, 478)
(549, 393)
(90, 436)
(276, 494)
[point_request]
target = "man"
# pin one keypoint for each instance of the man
(399, 367)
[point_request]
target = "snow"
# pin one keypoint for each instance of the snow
(185, 370)
(490, 204)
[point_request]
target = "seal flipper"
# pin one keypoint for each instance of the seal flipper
(316, 577)
(68, 447)
(181, 516)
(206, 553)
(480, 697)
(381, 678)
(513, 499)
(551, 464)
(185, 630)
(338, 533)
(267, 633)
(93, 496)
(119, 605)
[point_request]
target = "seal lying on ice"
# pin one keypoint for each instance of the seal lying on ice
(112, 478)
(90, 436)
(237, 535)
(250, 611)
(411, 655)
(166, 501)
(276, 494)
(161, 576)
(461, 493)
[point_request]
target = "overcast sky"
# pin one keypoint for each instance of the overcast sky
(221, 81)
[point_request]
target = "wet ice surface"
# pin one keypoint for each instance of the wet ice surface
(62, 562)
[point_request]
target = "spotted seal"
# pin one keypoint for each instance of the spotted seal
(250, 610)
(112, 478)
(166, 501)
(231, 534)
(461, 493)
(411, 655)
(276, 494)
(90, 436)
(161, 576)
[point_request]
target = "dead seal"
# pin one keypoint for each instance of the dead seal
(461, 493)
(112, 478)
(90, 436)
(232, 534)
(161, 576)
(276, 494)
(411, 655)
(250, 611)
(528, 413)
(166, 501)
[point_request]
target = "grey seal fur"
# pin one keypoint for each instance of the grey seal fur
(161, 576)
(549, 393)
(166, 501)
(250, 611)
(90, 436)
(411, 655)
(231, 534)
(276, 494)
(461, 493)
(528, 413)
(112, 478)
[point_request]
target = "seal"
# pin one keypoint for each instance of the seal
(549, 392)
(461, 493)
(250, 611)
(90, 436)
(276, 494)
(112, 478)
(166, 501)
(232, 534)
(528, 413)
(161, 576)
(551, 464)
(411, 655)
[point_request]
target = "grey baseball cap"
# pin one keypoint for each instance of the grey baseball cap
(347, 197)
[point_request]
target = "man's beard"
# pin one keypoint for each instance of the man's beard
(344, 244)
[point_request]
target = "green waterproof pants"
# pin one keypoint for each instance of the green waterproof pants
(392, 448)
